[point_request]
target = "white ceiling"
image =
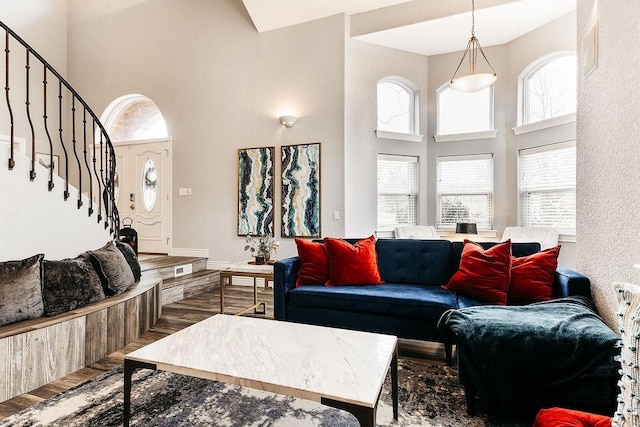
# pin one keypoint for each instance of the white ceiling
(271, 14)
(494, 26)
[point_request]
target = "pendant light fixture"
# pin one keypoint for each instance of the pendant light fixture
(474, 81)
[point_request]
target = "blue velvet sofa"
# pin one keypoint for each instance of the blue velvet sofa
(409, 303)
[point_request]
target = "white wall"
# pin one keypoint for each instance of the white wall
(608, 151)
(366, 64)
(43, 25)
(220, 86)
(35, 220)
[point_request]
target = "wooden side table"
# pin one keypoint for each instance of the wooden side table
(244, 269)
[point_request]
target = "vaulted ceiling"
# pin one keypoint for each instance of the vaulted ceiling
(426, 27)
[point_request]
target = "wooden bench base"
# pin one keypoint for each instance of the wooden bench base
(36, 352)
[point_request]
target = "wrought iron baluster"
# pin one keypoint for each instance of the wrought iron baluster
(64, 149)
(12, 161)
(46, 130)
(86, 162)
(32, 173)
(107, 206)
(94, 160)
(75, 151)
(115, 216)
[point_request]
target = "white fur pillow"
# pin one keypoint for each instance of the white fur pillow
(628, 411)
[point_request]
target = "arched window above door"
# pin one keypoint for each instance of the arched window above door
(134, 117)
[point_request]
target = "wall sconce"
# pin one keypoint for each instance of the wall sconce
(288, 121)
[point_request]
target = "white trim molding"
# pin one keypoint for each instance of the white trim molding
(383, 134)
(482, 236)
(545, 124)
(487, 134)
(202, 253)
(217, 265)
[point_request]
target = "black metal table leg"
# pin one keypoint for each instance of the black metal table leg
(394, 382)
(365, 416)
(129, 367)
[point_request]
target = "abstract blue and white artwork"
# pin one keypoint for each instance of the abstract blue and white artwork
(301, 190)
(255, 191)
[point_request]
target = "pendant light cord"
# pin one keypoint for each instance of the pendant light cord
(473, 18)
(472, 48)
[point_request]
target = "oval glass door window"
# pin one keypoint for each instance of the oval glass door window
(149, 185)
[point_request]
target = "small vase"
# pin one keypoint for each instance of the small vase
(260, 260)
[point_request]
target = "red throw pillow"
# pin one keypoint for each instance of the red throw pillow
(483, 275)
(532, 277)
(558, 417)
(352, 264)
(313, 263)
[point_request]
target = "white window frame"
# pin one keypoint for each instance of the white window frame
(486, 134)
(385, 227)
(489, 194)
(414, 113)
(524, 126)
(565, 233)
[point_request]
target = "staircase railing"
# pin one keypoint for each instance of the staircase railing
(72, 142)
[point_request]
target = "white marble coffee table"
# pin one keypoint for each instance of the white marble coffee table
(336, 367)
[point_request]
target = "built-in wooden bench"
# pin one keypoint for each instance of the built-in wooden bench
(38, 351)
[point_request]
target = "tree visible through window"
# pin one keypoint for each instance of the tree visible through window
(396, 107)
(465, 190)
(397, 190)
(549, 88)
(548, 187)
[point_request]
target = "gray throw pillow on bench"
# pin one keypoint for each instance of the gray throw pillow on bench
(21, 290)
(130, 255)
(70, 284)
(115, 274)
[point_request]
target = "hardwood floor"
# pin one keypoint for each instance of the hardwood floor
(175, 317)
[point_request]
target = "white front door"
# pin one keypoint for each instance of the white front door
(144, 191)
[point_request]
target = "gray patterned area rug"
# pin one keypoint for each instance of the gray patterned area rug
(429, 395)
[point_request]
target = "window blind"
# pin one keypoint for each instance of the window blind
(397, 190)
(465, 190)
(548, 187)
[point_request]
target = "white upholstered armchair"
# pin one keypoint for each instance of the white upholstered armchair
(547, 237)
(415, 232)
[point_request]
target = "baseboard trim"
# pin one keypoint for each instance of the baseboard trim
(217, 265)
(202, 253)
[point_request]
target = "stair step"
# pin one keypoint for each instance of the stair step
(166, 265)
(177, 288)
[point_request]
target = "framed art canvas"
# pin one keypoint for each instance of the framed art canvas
(301, 190)
(255, 191)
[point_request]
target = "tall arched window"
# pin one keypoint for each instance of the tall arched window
(464, 113)
(548, 88)
(397, 107)
(134, 117)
